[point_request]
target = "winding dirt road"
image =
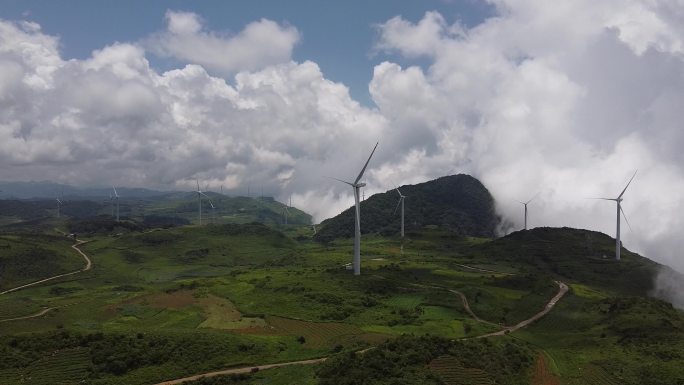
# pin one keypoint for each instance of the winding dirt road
(466, 306)
(88, 266)
(562, 289)
(39, 314)
(242, 370)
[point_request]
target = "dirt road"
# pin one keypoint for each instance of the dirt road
(39, 314)
(88, 266)
(563, 288)
(466, 306)
(246, 369)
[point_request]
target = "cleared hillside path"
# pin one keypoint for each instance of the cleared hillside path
(39, 314)
(75, 246)
(562, 289)
(243, 370)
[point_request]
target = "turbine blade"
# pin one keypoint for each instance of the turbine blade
(358, 178)
(115, 193)
(630, 181)
(605, 199)
(198, 188)
(625, 216)
(531, 199)
(340, 180)
(398, 192)
(396, 208)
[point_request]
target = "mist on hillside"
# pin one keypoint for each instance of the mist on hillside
(669, 286)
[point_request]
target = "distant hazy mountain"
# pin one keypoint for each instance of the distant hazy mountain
(45, 189)
(28, 204)
(459, 203)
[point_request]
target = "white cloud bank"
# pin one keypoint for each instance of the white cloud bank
(565, 99)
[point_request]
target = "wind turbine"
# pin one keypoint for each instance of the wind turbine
(199, 200)
(618, 200)
(115, 197)
(286, 212)
(525, 204)
(213, 211)
(59, 205)
(357, 230)
(401, 202)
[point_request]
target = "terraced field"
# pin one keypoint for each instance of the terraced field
(450, 370)
(594, 375)
(63, 367)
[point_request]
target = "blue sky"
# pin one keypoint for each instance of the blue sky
(337, 35)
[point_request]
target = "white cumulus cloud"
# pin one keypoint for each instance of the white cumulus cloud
(259, 44)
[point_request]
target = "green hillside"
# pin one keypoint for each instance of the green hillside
(576, 255)
(30, 257)
(162, 304)
(457, 203)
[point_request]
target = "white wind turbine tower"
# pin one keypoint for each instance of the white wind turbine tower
(357, 231)
(115, 197)
(618, 200)
(200, 193)
(401, 202)
(525, 204)
(286, 212)
(59, 205)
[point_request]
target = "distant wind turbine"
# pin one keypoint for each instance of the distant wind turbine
(286, 212)
(201, 193)
(401, 202)
(115, 197)
(357, 231)
(618, 200)
(525, 204)
(59, 205)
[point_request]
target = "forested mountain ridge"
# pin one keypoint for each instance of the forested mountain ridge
(459, 203)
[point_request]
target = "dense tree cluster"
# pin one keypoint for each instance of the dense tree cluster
(404, 361)
(117, 354)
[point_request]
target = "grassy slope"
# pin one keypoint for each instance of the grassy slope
(165, 283)
(31, 257)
